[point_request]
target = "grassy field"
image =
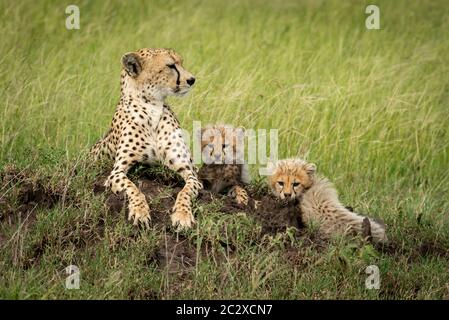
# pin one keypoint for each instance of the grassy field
(369, 107)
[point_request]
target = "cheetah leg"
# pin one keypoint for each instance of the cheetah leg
(96, 149)
(101, 147)
(239, 194)
(138, 206)
(182, 216)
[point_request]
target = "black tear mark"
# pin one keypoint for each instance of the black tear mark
(179, 75)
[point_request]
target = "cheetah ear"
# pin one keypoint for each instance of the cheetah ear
(270, 168)
(240, 131)
(310, 169)
(131, 63)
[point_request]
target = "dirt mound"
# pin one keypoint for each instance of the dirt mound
(422, 248)
(430, 248)
(175, 254)
(274, 216)
(22, 192)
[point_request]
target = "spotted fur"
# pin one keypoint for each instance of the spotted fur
(221, 169)
(295, 179)
(144, 129)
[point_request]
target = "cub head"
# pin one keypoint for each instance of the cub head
(156, 73)
(222, 144)
(290, 178)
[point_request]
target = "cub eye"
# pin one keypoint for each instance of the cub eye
(295, 184)
(224, 146)
(281, 183)
(210, 145)
(171, 66)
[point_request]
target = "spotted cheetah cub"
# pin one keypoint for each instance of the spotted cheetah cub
(222, 147)
(295, 179)
(145, 129)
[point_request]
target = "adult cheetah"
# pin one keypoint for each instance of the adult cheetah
(145, 129)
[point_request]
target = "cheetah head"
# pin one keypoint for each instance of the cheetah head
(222, 144)
(290, 178)
(156, 73)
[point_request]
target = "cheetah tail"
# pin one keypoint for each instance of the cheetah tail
(378, 230)
(323, 194)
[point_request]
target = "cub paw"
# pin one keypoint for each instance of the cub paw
(242, 198)
(239, 194)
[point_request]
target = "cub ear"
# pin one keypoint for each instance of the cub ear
(310, 169)
(270, 168)
(131, 63)
(239, 132)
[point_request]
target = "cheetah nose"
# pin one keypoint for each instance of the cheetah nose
(287, 194)
(191, 81)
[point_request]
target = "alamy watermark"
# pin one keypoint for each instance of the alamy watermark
(373, 279)
(73, 280)
(261, 146)
(73, 19)
(372, 22)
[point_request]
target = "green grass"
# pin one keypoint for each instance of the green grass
(369, 107)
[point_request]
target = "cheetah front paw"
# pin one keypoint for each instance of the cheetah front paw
(140, 212)
(182, 217)
(242, 199)
(239, 194)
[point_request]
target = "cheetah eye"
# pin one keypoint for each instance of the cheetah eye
(210, 145)
(281, 183)
(224, 146)
(295, 184)
(171, 66)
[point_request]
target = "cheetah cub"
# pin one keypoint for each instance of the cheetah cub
(295, 179)
(221, 152)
